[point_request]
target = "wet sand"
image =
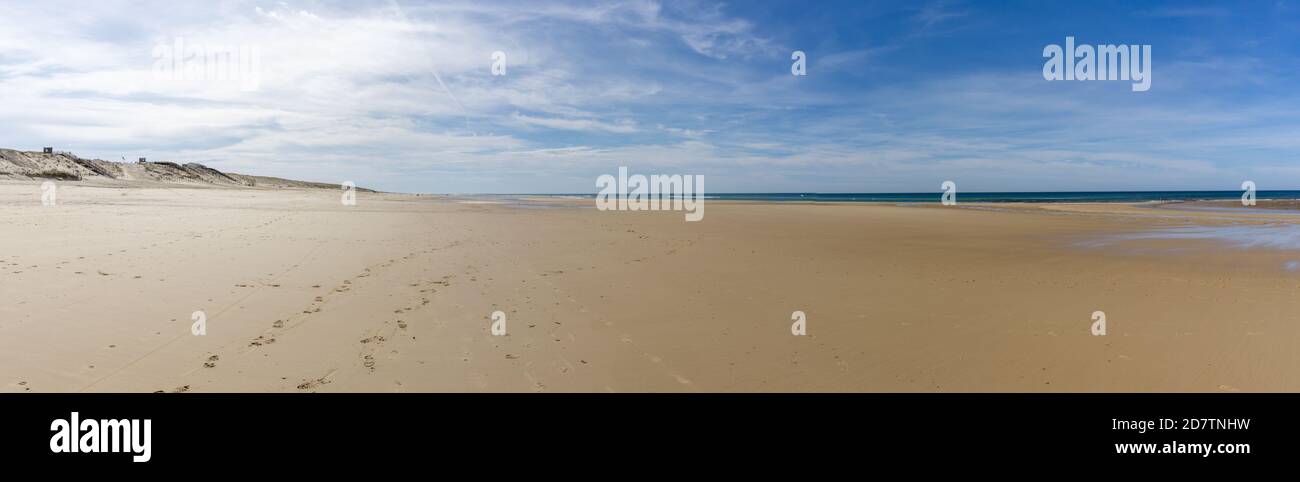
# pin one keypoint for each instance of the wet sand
(304, 294)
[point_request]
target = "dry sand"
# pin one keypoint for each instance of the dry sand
(304, 294)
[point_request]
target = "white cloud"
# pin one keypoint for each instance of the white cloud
(622, 127)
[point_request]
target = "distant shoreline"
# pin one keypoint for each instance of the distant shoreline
(973, 197)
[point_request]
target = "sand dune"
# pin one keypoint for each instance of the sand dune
(302, 294)
(19, 165)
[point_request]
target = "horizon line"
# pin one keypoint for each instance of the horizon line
(937, 191)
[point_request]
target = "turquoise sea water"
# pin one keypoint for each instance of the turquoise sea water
(1082, 196)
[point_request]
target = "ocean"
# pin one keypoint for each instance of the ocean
(987, 197)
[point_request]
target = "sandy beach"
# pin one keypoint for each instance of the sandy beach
(303, 294)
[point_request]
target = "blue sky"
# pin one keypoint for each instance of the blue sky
(898, 97)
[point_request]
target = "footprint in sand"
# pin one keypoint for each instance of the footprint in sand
(262, 340)
(310, 384)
